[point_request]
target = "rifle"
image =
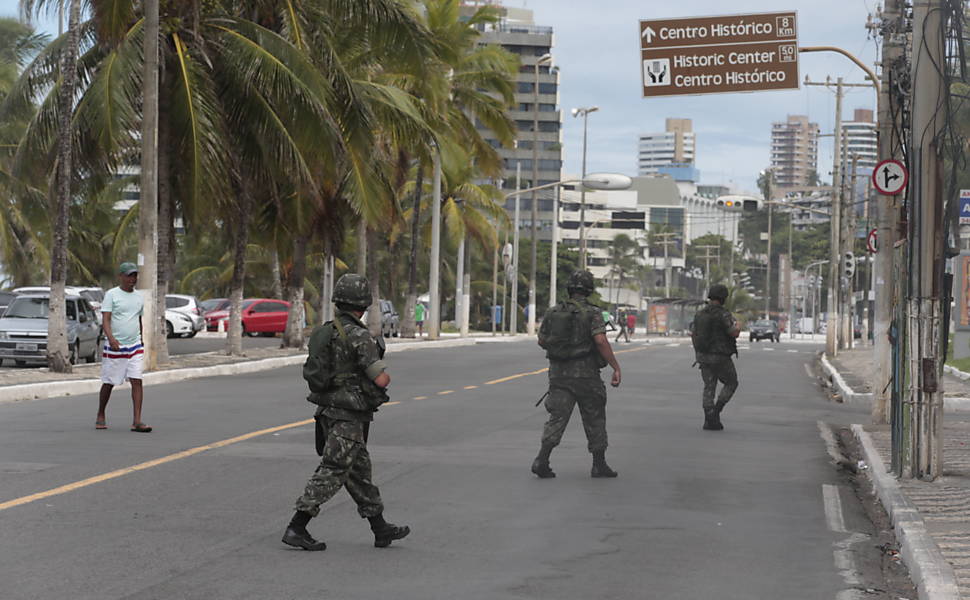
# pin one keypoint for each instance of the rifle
(544, 396)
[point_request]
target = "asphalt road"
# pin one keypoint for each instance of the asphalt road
(754, 512)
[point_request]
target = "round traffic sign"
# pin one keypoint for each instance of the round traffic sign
(871, 244)
(890, 177)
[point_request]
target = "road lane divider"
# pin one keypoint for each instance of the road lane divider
(420, 397)
(70, 487)
(446, 392)
(516, 376)
(471, 387)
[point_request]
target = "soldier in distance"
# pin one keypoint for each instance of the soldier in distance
(714, 333)
(347, 377)
(573, 335)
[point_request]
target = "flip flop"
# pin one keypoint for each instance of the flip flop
(141, 428)
(100, 425)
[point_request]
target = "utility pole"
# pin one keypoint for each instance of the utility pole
(666, 240)
(554, 257)
(791, 273)
(434, 311)
(494, 285)
(514, 303)
(707, 258)
(148, 193)
(892, 51)
(531, 322)
(768, 263)
(848, 239)
(582, 189)
(924, 311)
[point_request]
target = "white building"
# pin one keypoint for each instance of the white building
(675, 146)
(859, 139)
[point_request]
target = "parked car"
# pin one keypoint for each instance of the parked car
(179, 324)
(212, 304)
(94, 295)
(261, 316)
(764, 330)
(188, 306)
(5, 299)
(23, 329)
(390, 320)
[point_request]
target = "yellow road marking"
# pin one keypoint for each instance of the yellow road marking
(471, 387)
(392, 403)
(145, 465)
(446, 392)
(420, 397)
(511, 377)
(630, 350)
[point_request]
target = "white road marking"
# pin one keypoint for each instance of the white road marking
(768, 349)
(794, 350)
(674, 345)
(808, 371)
(833, 508)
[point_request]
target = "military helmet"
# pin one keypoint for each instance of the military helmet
(718, 292)
(352, 289)
(581, 281)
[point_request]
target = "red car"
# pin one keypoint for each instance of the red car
(259, 316)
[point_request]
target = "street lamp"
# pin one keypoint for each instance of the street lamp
(531, 325)
(582, 195)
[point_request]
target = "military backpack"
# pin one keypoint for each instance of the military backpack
(565, 333)
(708, 335)
(320, 368)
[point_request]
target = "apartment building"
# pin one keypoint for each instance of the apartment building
(794, 152)
(676, 145)
(859, 140)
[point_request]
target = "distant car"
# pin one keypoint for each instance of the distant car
(764, 330)
(260, 316)
(188, 306)
(179, 324)
(23, 329)
(390, 320)
(212, 304)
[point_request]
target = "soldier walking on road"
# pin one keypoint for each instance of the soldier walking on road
(346, 375)
(714, 334)
(574, 337)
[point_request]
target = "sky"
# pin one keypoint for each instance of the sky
(597, 51)
(597, 48)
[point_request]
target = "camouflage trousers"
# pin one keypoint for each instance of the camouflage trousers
(724, 372)
(564, 393)
(345, 463)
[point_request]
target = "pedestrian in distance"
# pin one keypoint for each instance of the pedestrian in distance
(631, 324)
(714, 333)
(347, 377)
(123, 352)
(419, 311)
(608, 321)
(573, 335)
(621, 319)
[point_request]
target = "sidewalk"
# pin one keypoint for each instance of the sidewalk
(931, 518)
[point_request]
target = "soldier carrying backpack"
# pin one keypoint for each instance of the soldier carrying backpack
(714, 335)
(573, 335)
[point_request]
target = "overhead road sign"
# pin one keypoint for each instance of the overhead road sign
(712, 55)
(890, 177)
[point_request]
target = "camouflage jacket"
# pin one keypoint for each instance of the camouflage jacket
(711, 332)
(586, 366)
(357, 359)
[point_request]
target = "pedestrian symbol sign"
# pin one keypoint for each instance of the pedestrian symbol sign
(890, 177)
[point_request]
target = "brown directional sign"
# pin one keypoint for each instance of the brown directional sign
(711, 55)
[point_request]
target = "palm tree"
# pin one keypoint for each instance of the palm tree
(625, 253)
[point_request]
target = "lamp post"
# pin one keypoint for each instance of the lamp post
(582, 192)
(531, 323)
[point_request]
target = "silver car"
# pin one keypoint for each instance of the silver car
(23, 329)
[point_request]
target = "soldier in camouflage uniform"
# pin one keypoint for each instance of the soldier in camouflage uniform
(345, 410)
(577, 381)
(713, 334)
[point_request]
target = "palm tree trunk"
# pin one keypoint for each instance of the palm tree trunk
(240, 239)
(408, 326)
(274, 257)
(374, 312)
(165, 228)
(57, 350)
(293, 335)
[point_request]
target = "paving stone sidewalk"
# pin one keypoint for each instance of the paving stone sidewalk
(857, 368)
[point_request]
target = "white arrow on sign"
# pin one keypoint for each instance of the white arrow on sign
(648, 33)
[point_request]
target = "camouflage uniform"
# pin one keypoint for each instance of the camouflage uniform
(344, 415)
(578, 381)
(716, 364)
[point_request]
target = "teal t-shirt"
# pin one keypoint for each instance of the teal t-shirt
(419, 312)
(126, 310)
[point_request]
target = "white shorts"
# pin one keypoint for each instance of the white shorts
(118, 366)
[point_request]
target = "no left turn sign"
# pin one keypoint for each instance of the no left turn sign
(890, 177)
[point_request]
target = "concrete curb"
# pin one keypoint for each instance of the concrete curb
(76, 387)
(848, 395)
(932, 575)
(956, 372)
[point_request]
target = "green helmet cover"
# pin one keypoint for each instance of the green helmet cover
(352, 289)
(718, 292)
(581, 281)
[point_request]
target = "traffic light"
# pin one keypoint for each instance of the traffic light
(848, 264)
(750, 205)
(728, 204)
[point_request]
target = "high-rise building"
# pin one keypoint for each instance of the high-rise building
(794, 152)
(859, 139)
(518, 33)
(674, 146)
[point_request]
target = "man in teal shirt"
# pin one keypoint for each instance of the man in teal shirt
(123, 349)
(419, 311)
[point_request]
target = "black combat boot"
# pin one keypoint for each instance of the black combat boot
(297, 536)
(718, 407)
(711, 421)
(385, 533)
(540, 466)
(600, 468)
